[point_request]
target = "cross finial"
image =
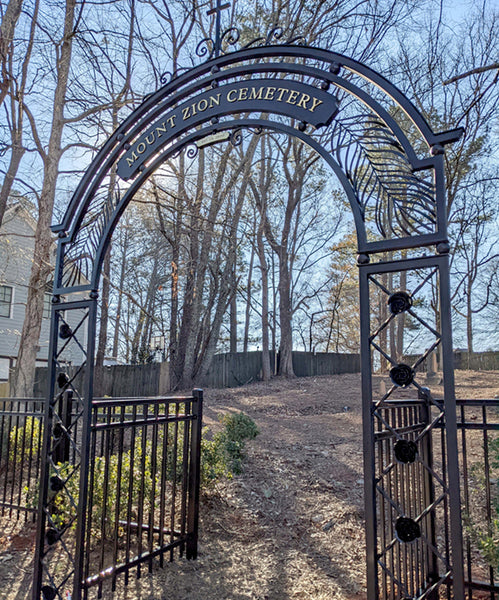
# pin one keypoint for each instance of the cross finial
(218, 35)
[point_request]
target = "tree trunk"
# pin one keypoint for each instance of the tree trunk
(393, 325)
(247, 315)
(285, 317)
(266, 369)
(119, 305)
(227, 285)
(233, 312)
(17, 153)
(25, 368)
(7, 28)
(401, 317)
(383, 314)
(469, 319)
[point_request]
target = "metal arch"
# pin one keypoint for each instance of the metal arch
(161, 100)
(192, 138)
(127, 128)
(229, 67)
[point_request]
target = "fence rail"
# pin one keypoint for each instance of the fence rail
(143, 503)
(478, 428)
(143, 497)
(20, 445)
(143, 481)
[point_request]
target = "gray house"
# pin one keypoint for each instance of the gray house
(16, 256)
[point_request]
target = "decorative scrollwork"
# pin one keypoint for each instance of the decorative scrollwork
(205, 48)
(401, 202)
(236, 137)
(229, 37)
(192, 151)
(169, 76)
(258, 130)
(274, 35)
(299, 40)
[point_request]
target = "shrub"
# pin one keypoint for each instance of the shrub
(237, 429)
(221, 457)
(30, 432)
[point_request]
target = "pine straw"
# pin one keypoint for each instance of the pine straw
(291, 526)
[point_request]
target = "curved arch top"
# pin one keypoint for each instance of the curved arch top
(354, 117)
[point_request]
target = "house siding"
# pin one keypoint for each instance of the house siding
(16, 255)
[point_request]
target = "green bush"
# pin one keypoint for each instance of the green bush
(221, 457)
(105, 496)
(237, 429)
(31, 432)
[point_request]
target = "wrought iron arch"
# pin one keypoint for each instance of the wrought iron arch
(390, 164)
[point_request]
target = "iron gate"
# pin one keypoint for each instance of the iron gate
(390, 165)
(138, 501)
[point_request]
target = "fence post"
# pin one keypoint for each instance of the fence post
(429, 489)
(194, 476)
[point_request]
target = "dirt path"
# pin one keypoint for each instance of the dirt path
(291, 526)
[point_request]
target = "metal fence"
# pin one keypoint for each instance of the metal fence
(478, 428)
(143, 496)
(418, 480)
(20, 445)
(144, 482)
(410, 506)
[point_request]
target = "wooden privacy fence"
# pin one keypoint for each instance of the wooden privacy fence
(117, 381)
(473, 361)
(230, 369)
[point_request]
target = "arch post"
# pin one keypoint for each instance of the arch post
(412, 503)
(64, 485)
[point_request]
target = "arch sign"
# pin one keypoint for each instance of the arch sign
(390, 164)
(295, 99)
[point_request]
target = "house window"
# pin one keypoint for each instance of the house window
(6, 293)
(47, 305)
(4, 369)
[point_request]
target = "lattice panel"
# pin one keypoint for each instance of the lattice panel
(63, 459)
(410, 479)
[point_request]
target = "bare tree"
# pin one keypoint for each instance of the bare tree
(475, 252)
(15, 87)
(22, 384)
(7, 27)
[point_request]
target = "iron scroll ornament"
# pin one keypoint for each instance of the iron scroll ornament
(291, 98)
